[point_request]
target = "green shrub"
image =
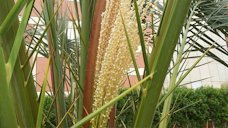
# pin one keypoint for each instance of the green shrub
(50, 122)
(205, 104)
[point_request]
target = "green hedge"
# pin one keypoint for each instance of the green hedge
(192, 108)
(198, 105)
(50, 122)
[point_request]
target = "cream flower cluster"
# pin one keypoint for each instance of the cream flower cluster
(113, 57)
(108, 18)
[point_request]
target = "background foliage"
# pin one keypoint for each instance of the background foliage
(206, 104)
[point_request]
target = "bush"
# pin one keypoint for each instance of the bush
(51, 117)
(50, 122)
(205, 104)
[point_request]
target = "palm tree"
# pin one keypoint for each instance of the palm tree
(88, 65)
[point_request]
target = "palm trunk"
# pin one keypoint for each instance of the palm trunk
(86, 9)
(91, 62)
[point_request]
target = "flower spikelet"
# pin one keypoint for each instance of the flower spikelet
(108, 18)
(116, 60)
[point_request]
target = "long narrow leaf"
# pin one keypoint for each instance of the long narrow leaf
(18, 41)
(7, 114)
(145, 58)
(12, 15)
(131, 50)
(166, 108)
(165, 43)
(42, 99)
